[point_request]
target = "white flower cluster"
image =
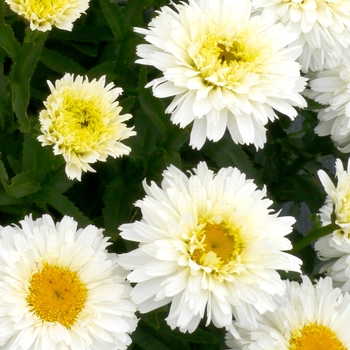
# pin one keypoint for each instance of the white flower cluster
(209, 244)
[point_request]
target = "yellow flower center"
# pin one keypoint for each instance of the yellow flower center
(315, 337)
(81, 123)
(44, 9)
(218, 239)
(342, 211)
(56, 295)
(223, 62)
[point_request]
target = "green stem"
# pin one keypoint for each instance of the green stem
(313, 236)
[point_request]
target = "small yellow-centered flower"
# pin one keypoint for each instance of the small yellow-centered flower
(82, 121)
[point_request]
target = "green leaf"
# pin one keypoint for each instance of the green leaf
(38, 160)
(107, 69)
(127, 104)
(25, 65)
(58, 180)
(21, 73)
(299, 188)
(7, 38)
(29, 160)
(89, 49)
(61, 203)
(60, 63)
(5, 100)
(20, 101)
(152, 106)
(149, 338)
(226, 153)
(3, 172)
(6, 199)
(15, 164)
(21, 185)
(31, 35)
(134, 11)
(114, 17)
(118, 200)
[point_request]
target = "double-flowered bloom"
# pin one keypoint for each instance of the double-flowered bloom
(210, 246)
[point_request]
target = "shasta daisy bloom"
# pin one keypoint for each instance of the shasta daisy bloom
(332, 88)
(44, 14)
(309, 317)
(61, 289)
(82, 121)
(322, 27)
(225, 68)
(210, 246)
(336, 246)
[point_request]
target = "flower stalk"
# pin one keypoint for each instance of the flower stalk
(313, 236)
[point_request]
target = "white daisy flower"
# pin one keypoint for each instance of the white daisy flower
(44, 14)
(309, 317)
(82, 121)
(322, 27)
(332, 88)
(225, 68)
(61, 289)
(336, 246)
(210, 246)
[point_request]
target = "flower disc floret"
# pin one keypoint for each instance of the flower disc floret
(210, 246)
(82, 121)
(308, 317)
(42, 15)
(225, 68)
(61, 289)
(56, 295)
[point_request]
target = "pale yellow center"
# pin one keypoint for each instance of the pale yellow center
(44, 9)
(342, 212)
(315, 337)
(224, 62)
(219, 239)
(82, 123)
(56, 295)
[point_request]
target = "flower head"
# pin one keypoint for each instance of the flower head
(82, 121)
(210, 245)
(225, 68)
(322, 27)
(61, 289)
(45, 14)
(336, 246)
(332, 88)
(308, 317)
